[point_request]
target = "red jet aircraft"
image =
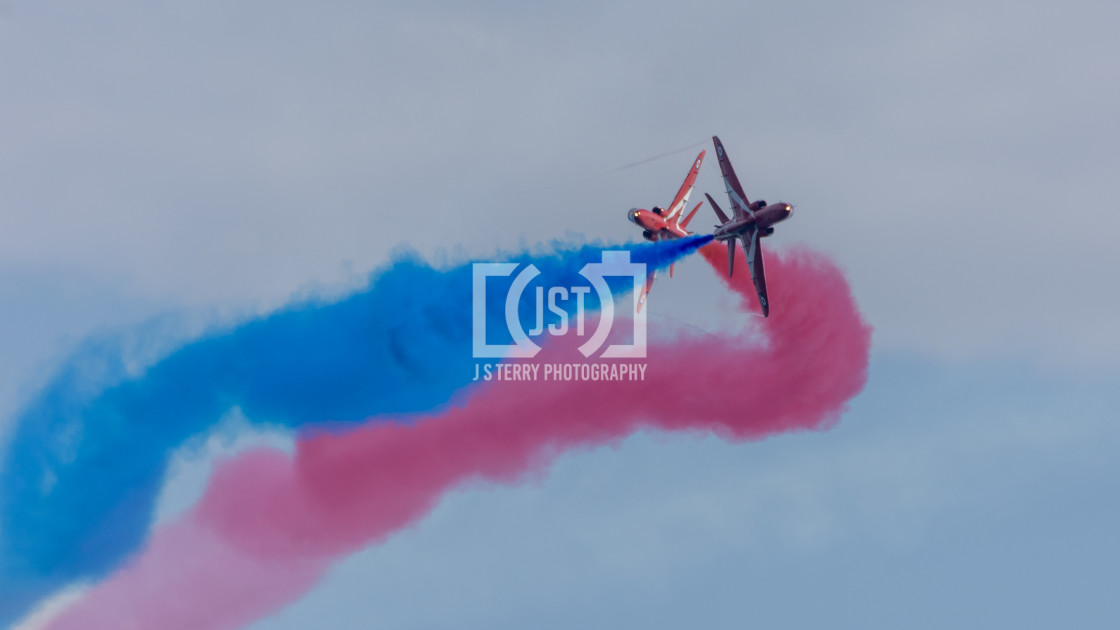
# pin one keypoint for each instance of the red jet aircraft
(660, 225)
(751, 222)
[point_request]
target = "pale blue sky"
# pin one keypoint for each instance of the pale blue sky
(948, 497)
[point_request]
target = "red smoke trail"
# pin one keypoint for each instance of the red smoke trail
(271, 522)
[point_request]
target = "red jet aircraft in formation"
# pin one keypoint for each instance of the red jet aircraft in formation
(750, 222)
(661, 225)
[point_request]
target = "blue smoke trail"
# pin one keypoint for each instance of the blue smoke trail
(83, 469)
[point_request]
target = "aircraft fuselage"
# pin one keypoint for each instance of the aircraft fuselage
(762, 220)
(654, 226)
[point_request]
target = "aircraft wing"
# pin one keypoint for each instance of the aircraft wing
(641, 301)
(739, 202)
(758, 271)
(686, 188)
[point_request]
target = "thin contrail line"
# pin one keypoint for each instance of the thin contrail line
(658, 157)
(613, 170)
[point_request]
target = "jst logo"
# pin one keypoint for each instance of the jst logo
(561, 302)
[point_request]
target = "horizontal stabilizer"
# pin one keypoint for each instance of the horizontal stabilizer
(684, 223)
(715, 206)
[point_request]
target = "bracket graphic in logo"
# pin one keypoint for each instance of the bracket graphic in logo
(614, 264)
